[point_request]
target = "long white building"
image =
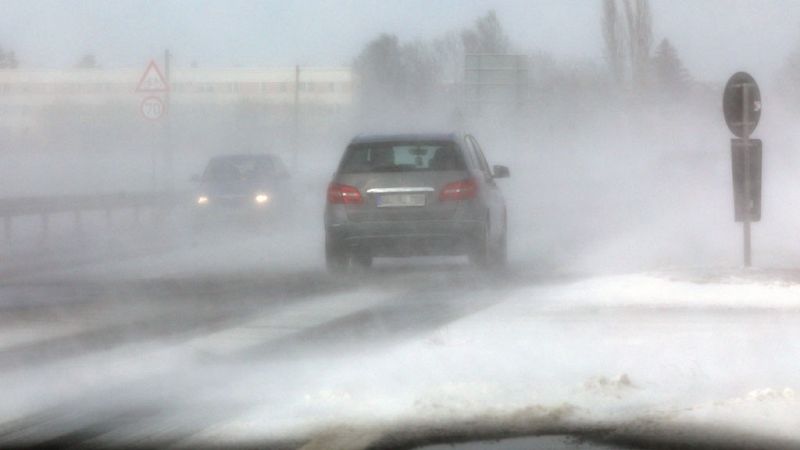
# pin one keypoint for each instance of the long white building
(24, 92)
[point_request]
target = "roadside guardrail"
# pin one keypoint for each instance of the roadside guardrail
(78, 205)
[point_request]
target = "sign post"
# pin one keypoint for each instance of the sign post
(741, 105)
(168, 126)
(154, 106)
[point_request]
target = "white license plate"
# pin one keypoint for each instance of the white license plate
(390, 200)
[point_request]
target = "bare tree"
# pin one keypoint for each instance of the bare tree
(672, 77)
(8, 60)
(640, 40)
(789, 75)
(487, 36)
(379, 67)
(87, 61)
(421, 72)
(448, 51)
(402, 74)
(614, 38)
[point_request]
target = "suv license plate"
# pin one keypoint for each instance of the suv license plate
(391, 200)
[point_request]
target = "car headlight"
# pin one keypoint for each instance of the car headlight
(262, 198)
(202, 200)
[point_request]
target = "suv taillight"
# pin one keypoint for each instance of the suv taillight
(343, 194)
(459, 190)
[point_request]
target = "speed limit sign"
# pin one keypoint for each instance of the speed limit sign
(152, 108)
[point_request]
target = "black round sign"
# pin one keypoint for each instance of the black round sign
(734, 108)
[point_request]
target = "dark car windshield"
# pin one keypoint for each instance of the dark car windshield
(401, 157)
(238, 169)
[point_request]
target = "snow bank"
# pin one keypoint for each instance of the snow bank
(634, 370)
(669, 291)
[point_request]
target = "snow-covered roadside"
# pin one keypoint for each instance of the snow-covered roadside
(733, 290)
(662, 350)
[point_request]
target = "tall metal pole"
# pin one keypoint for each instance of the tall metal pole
(168, 156)
(748, 204)
(296, 135)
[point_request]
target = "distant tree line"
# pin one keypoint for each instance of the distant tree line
(415, 74)
(411, 74)
(408, 70)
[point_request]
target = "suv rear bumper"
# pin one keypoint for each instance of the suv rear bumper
(408, 238)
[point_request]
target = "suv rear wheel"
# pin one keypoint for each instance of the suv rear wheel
(479, 250)
(501, 252)
(487, 254)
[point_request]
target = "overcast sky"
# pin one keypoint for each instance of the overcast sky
(714, 37)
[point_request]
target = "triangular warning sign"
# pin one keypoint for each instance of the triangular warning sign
(152, 80)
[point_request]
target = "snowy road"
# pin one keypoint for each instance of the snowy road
(207, 346)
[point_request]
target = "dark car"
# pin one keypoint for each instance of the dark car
(415, 194)
(246, 186)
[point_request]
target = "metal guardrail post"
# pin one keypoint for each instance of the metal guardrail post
(161, 204)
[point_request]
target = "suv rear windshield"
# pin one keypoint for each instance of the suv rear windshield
(401, 157)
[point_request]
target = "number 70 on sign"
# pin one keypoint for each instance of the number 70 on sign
(152, 108)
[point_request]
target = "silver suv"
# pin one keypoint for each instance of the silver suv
(416, 194)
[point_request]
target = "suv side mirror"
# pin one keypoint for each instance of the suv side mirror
(500, 172)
